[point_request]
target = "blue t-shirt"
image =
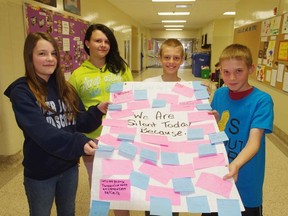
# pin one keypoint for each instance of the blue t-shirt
(237, 118)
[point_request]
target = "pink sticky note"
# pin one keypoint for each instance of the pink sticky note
(116, 167)
(181, 171)
(214, 184)
(155, 139)
(123, 130)
(155, 172)
(115, 189)
(146, 146)
(183, 90)
(209, 161)
(163, 192)
(134, 105)
(109, 140)
(199, 116)
(169, 98)
(115, 122)
(208, 127)
(120, 114)
(182, 107)
(185, 146)
(122, 97)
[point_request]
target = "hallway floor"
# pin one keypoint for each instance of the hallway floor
(13, 200)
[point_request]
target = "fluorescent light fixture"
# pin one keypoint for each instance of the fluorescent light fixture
(183, 5)
(173, 21)
(173, 26)
(229, 13)
(175, 29)
(173, 0)
(173, 13)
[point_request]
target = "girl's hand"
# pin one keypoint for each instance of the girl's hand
(90, 147)
(103, 107)
(215, 113)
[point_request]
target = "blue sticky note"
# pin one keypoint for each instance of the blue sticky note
(203, 107)
(169, 158)
(114, 107)
(198, 204)
(158, 103)
(195, 133)
(139, 180)
(219, 137)
(206, 150)
(116, 87)
(106, 148)
(146, 154)
(197, 85)
(128, 150)
(127, 137)
(140, 94)
(183, 185)
(201, 94)
(160, 206)
(228, 207)
(99, 208)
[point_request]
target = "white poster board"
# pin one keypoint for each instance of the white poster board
(158, 141)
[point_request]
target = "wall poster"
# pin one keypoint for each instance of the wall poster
(68, 31)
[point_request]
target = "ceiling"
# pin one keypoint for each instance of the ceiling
(145, 12)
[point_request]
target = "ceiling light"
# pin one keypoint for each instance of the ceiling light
(173, 13)
(173, 0)
(183, 5)
(173, 26)
(229, 13)
(175, 29)
(173, 21)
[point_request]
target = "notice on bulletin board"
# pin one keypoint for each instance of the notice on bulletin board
(283, 51)
(68, 31)
(161, 151)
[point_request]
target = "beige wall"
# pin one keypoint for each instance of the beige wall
(12, 40)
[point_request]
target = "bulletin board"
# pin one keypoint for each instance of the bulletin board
(269, 47)
(68, 31)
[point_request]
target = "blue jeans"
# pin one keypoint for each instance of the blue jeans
(41, 193)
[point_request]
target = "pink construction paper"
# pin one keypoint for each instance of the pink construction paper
(109, 140)
(121, 97)
(116, 167)
(209, 161)
(169, 98)
(123, 130)
(214, 184)
(199, 116)
(120, 114)
(155, 139)
(183, 90)
(115, 189)
(181, 171)
(115, 122)
(163, 192)
(155, 172)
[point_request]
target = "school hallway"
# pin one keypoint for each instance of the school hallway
(13, 200)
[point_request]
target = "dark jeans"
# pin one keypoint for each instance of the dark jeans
(62, 188)
(248, 212)
(147, 213)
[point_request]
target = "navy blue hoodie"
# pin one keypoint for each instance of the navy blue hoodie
(52, 144)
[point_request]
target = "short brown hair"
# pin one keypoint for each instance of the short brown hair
(171, 42)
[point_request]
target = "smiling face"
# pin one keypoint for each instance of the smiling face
(44, 59)
(98, 45)
(171, 59)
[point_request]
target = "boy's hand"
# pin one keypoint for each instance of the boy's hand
(233, 172)
(90, 147)
(215, 113)
(103, 107)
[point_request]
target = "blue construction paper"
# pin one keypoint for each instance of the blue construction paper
(206, 150)
(183, 185)
(198, 204)
(169, 158)
(197, 86)
(146, 154)
(99, 208)
(228, 207)
(127, 149)
(114, 107)
(158, 103)
(127, 137)
(201, 94)
(195, 133)
(140, 94)
(116, 87)
(160, 206)
(139, 180)
(219, 137)
(203, 107)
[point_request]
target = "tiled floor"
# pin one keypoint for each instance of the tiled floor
(13, 200)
